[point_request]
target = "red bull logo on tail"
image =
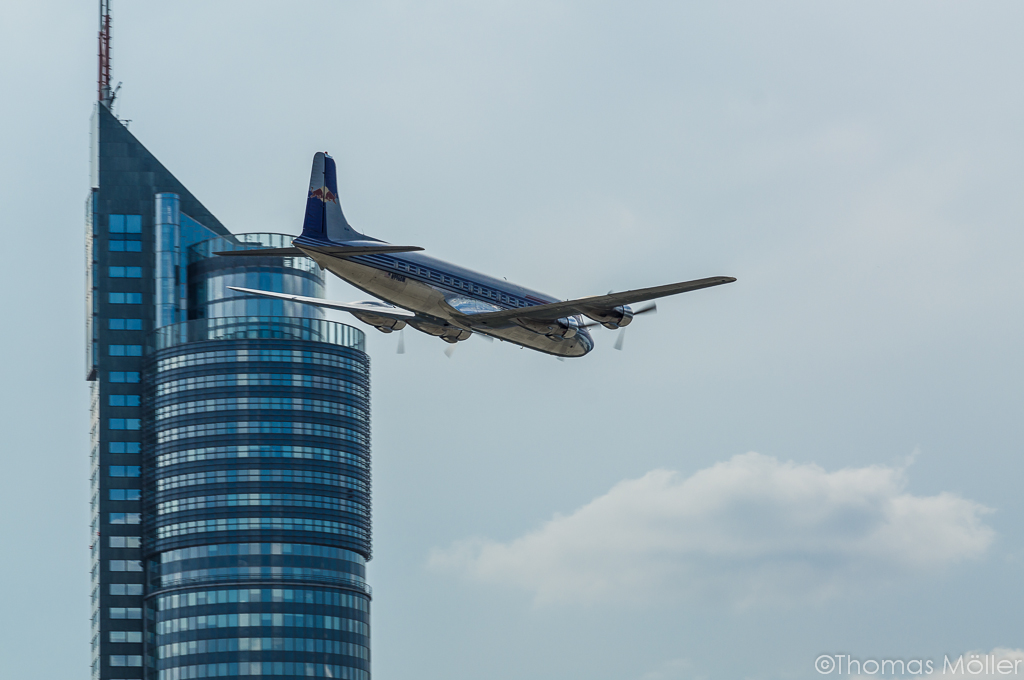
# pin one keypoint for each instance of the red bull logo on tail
(324, 194)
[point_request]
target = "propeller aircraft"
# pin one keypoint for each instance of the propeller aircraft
(445, 300)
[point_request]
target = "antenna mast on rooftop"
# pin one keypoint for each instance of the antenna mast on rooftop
(106, 94)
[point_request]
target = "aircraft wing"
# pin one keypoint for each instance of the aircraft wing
(375, 308)
(597, 303)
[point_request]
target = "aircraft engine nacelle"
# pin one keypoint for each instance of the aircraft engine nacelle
(454, 335)
(566, 327)
(447, 333)
(616, 317)
(382, 323)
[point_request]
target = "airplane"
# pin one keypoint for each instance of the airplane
(442, 299)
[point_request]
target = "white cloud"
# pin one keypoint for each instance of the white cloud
(751, 529)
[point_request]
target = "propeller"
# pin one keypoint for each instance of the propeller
(652, 308)
(450, 349)
(649, 309)
(401, 341)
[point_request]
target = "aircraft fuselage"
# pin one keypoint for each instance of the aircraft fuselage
(438, 291)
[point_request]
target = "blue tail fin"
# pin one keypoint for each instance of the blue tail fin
(324, 218)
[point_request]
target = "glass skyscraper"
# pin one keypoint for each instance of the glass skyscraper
(230, 442)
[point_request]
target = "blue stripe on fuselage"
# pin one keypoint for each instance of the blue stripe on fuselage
(451, 278)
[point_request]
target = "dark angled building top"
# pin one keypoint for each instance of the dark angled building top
(126, 178)
(230, 443)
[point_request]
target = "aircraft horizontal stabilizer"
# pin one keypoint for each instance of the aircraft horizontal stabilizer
(375, 308)
(345, 249)
(258, 252)
(596, 303)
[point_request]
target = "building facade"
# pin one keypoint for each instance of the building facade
(230, 443)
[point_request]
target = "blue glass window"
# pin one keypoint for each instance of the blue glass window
(123, 660)
(267, 619)
(125, 565)
(125, 518)
(125, 400)
(125, 635)
(125, 494)
(125, 471)
(126, 612)
(125, 298)
(124, 376)
(335, 598)
(126, 272)
(223, 549)
(125, 424)
(258, 668)
(125, 350)
(264, 523)
(125, 224)
(126, 447)
(125, 324)
(125, 542)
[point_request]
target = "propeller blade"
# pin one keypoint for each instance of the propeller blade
(620, 339)
(401, 342)
(450, 350)
(649, 309)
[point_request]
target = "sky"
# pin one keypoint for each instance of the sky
(823, 458)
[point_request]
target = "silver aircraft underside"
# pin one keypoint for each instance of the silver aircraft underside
(437, 317)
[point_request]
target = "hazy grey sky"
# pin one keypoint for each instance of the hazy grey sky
(822, 458)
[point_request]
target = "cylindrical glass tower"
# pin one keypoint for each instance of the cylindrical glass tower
(209, 277)
(257, 486)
